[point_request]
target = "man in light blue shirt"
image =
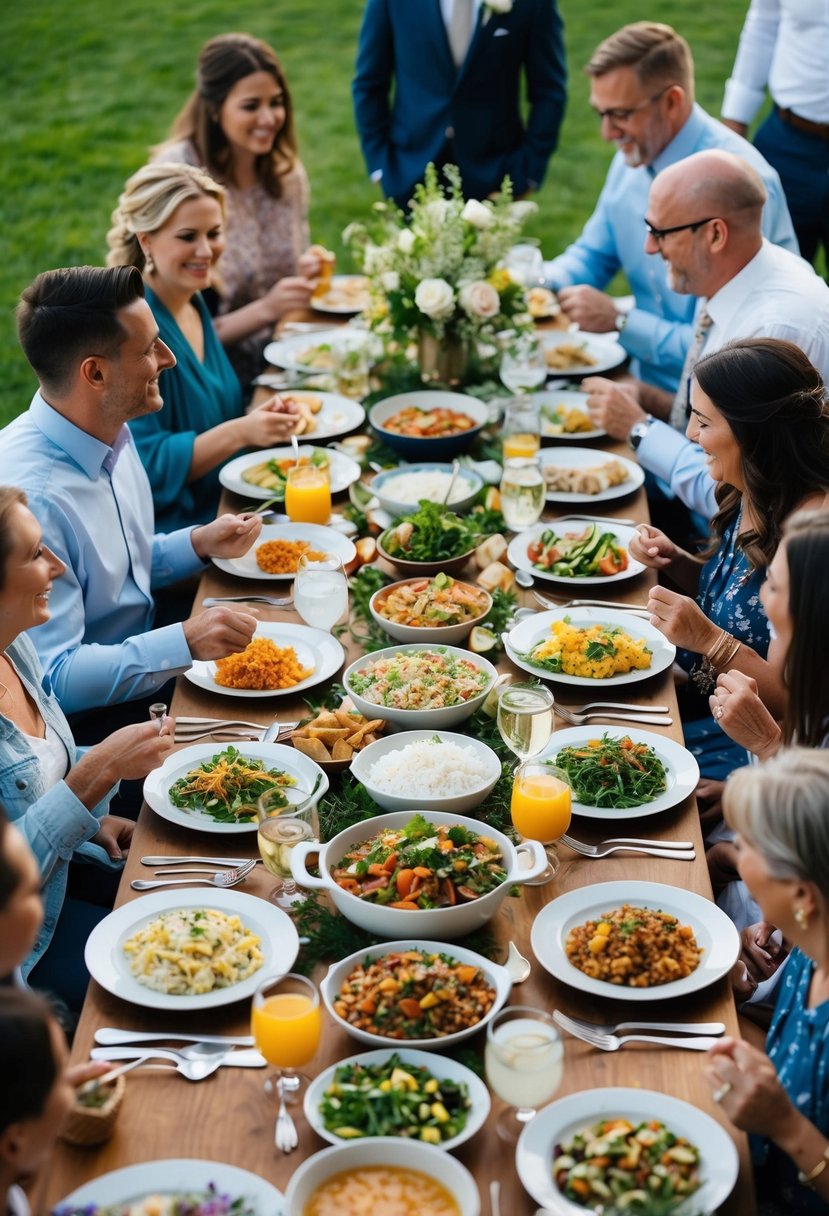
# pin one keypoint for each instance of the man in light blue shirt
(642, 87)
(93, 343)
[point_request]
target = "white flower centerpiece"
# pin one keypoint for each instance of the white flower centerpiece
(435, 277)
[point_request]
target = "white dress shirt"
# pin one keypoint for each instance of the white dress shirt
(447, 7)
(785, 45)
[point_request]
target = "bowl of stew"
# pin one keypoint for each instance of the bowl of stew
(428, 424)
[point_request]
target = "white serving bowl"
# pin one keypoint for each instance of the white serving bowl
(453, 804)
(385, 1150)
(497, 976)
(427, 719)
(441, 924)
(437, 447)
(383, 486)
(441, 635)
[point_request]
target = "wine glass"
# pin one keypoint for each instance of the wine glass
(286, 816)
(525, 264)
(286, 1023)
(541, 806)
(525, 718)
(523, 366)
(522, 493)
(320, 590)
(524, 1064)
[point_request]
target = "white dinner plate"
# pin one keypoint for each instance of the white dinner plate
(314, 648)
(275, 755)
(590, 458)
(442, 1067)
(321, 539)
(605, 351)
(528, 633)
(342, 470)
(348, 294)
(714, 932)
(107, 963)
(681, 777)
(548, 399)
(296, 352)
(517, 552)
(719, 1163)
(169, 1177)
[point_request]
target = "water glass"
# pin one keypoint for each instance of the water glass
(320, 590)
(522, 493)
(351, 369)
(526, 265)
(523, 366)
(524, 1064)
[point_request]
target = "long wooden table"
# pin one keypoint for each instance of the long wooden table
(228, 1118)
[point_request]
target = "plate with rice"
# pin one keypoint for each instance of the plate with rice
(276, 553)
(281, 660)
(437, 770)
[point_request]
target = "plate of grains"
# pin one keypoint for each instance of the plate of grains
(282, 659)
(276, 553)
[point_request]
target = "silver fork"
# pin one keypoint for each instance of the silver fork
(558, 601)
(650, 844)
(285, 1134)
(595, 851)
(580, 719)
(568, 1022)
(612, 1042)
(273, 601)
(633, 709)
(224, 878)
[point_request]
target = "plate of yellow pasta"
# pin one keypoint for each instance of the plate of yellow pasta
(589, 646)
(190, 949)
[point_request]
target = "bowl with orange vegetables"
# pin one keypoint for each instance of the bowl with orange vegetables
(431, 873)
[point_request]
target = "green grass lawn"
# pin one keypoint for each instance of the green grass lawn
(89, 88)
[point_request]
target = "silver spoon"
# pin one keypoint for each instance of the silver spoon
(456, 468)
(295, 446)
(517, 966)
(524, 579)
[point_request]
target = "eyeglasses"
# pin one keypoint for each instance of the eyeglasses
(659, 234)
(623, 116)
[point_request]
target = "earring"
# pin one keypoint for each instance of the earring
(801, 918)
(149, 264)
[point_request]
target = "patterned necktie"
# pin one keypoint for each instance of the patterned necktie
(460, 30)
(680, 409)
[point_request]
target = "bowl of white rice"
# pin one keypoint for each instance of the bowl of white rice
(438, 770)
(400, 490)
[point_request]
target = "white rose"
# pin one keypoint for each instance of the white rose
(405, 241)
(390, 280)
(477, 214)
(480, 299)
(435, 298)
(436, 210)
(499, 6)
(522, 210)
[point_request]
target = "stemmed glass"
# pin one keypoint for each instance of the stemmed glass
(541, 806)
(525, 264)
(286, 1023)
(320, 590)
(524, 1064)
(286, 816)
(523, 366)
(525, 718)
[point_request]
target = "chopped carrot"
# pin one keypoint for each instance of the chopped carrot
(404, 882)
(422, 872)
(409, 1007)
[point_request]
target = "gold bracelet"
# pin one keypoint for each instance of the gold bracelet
(813, 1175)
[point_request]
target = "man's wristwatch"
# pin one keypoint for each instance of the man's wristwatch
(639, 430)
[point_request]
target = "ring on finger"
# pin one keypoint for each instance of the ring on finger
(718, 712)
(721, 1092)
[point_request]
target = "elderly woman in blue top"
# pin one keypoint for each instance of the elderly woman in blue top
(169, 224)
(57, 797)
(780, 811)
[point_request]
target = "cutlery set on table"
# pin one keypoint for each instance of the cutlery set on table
(199, 1058)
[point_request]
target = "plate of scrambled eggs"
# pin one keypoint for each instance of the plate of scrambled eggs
(589, 646)
(190, 949)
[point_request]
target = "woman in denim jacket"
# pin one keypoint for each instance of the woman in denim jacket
(55, 794)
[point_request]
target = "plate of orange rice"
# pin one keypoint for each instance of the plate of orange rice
(276, 552)
(280, 660)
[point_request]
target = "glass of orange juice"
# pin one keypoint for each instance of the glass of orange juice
(521, 430)
(308, 495)
(540, 806)
(286, 1023)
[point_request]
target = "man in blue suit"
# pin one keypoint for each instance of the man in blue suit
(455, 69)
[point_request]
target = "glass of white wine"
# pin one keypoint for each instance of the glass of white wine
(320, 590)
(522, 493)
(525, 718)
(523, 366)
(524, 1064)
(286, 816)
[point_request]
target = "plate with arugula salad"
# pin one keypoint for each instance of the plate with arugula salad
(413, 1094)
(430, 540)
(622, 774)
(570, 550)
(213, 789)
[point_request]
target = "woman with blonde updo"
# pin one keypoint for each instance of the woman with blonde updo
(169, 222)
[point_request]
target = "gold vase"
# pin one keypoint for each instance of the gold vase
(442, 360)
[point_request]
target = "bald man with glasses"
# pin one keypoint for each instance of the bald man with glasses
(642, 90)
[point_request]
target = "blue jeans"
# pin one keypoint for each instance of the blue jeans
(802, 160)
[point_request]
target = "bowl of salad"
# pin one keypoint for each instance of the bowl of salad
(428, 424)
(432, 873)
(420, 687)
(430, 540)
(438, 609)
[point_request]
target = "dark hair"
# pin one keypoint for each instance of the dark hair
(66, 315)
(27, 1057)
(10, 496)
(806, 537)
(9, 876)
(223, 62)
(774, 401)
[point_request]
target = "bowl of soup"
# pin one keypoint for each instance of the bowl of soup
(411, 1179)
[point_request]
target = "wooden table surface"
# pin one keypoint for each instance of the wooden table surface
(228, 1118)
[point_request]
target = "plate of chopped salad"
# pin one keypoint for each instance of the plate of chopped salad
(408, 1093)
(680, 1152)
(213, 789)
(589, 646)
(570, 551)
(620, 774)
(420, 686)
(167, 1188)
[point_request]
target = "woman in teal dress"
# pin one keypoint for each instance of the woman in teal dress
(169, 223)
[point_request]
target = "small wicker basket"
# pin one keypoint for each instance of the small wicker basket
(91, 1125)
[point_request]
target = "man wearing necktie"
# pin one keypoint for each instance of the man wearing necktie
(440, 80)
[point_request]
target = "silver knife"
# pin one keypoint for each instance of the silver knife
(208, 861)
(112, 1036)
(241, 1058)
